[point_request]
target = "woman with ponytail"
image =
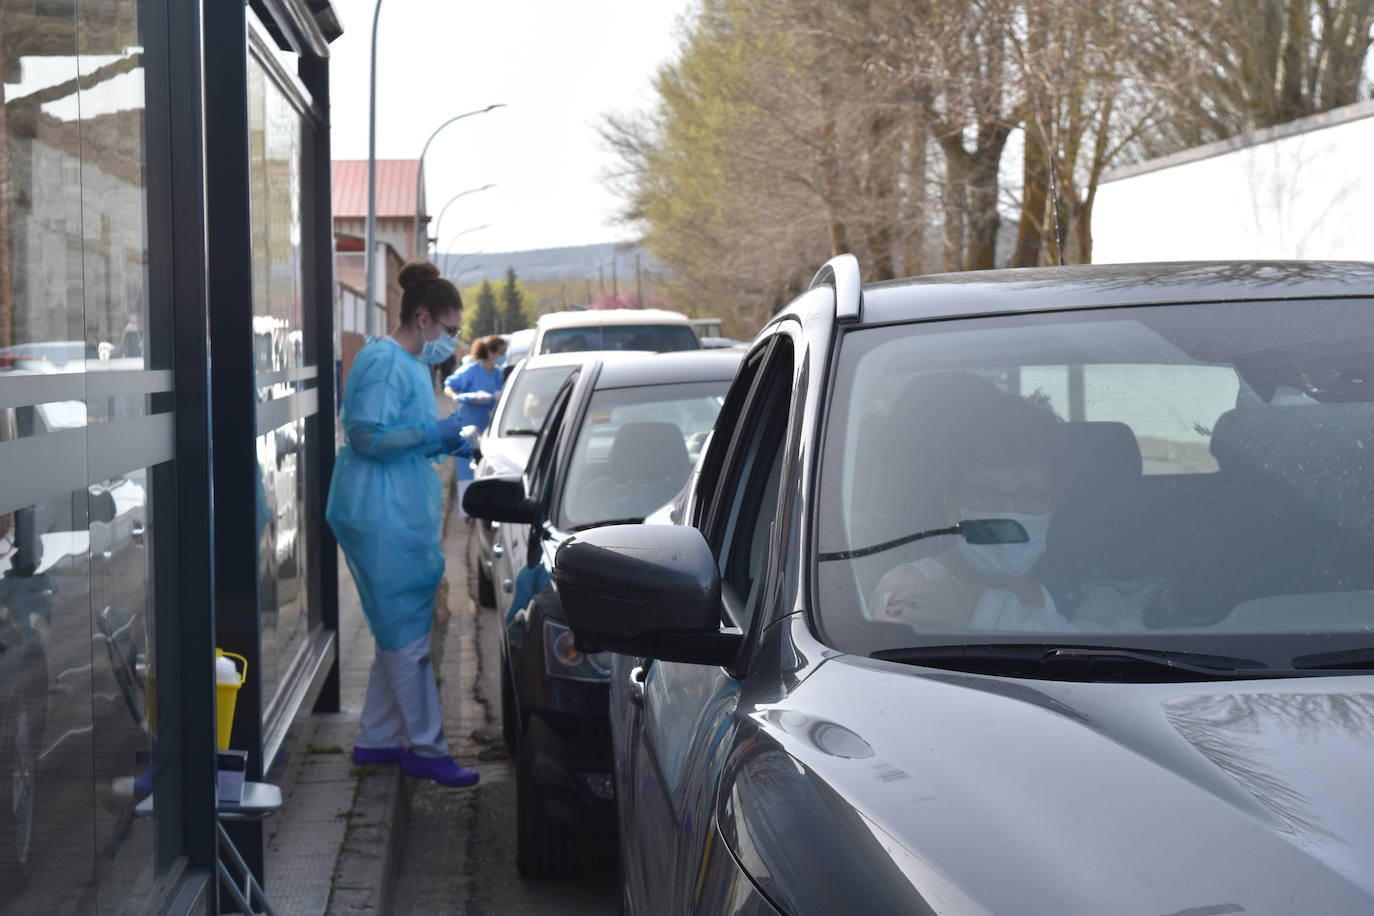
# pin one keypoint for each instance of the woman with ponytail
(475, 387)
(384, 503)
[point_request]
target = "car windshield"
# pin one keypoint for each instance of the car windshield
(652, 338)
(529, 399)
(635, 449)
(1179, 477)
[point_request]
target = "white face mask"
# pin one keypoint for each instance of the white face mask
(1005, 562)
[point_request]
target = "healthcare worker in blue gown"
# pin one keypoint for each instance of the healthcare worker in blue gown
(476, 387)
(384, 504)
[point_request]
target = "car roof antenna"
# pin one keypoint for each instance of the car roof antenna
(1054, 197)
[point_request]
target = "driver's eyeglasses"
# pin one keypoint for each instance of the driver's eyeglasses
(988, 497)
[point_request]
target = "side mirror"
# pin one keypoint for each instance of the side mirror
(647, 590)
(499, 499)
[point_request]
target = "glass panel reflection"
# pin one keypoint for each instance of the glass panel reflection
(76, 588)
(47, 850)
(124, 715)
(278, 336)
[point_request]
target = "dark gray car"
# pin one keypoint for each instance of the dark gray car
(618, 441)
(1039, 591)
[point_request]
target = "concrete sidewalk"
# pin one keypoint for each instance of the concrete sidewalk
(333, 848)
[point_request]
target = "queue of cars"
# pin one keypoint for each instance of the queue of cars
(1033, 591)
(620, 436)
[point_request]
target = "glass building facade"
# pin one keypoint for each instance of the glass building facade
(163, 455)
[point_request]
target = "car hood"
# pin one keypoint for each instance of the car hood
(944, 792)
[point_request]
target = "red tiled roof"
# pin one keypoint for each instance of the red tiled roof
(396, 179)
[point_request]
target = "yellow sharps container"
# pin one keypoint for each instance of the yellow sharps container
(228, 680)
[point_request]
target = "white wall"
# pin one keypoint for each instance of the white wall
(1307, 195)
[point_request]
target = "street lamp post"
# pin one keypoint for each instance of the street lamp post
(470, 254)
(415, 235)
(439, 221)
(369, 259)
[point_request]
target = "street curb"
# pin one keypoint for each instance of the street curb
(365, 872)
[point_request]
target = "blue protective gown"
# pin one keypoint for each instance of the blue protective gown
(466, 383)
(384, 498)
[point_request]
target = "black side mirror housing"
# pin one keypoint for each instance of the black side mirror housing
(499, 499)
(647, 590)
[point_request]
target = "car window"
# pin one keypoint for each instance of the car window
(653, 338)
(1186, 476)
(541, 456)
(1170, 408)
(750, 480)
(527, 403)
(634, 450)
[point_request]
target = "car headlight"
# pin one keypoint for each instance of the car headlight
(563, 659)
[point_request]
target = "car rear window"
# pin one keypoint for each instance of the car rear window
(634, 450)
(652, 338)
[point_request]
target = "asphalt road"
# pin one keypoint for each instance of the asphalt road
(459, 852)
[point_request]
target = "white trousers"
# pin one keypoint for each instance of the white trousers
(462, 488)
(402, 705)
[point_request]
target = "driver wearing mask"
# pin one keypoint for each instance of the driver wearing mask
(1000, 457)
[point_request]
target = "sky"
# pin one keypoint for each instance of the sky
(558, 65)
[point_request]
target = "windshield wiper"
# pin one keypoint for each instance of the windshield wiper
(1072, 662)
(1353, 659)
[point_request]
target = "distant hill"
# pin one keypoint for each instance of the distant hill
(543, 265)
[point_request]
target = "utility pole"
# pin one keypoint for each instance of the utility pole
(589, 291)
(370, 255)
(615, 286)
(639, 283)
(601, 277)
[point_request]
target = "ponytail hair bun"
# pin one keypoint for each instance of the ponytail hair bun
(416, 274)
(423, 288)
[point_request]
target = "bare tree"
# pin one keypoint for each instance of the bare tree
(1253, 63)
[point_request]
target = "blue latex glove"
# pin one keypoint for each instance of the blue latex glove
(450, 430)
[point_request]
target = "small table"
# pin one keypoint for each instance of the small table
(260, 800)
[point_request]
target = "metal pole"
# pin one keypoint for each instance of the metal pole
(415, 233)
(370, 254)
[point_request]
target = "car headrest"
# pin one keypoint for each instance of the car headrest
(1104, 449)
(1295, 438)
(1321, 454)
(649, 451)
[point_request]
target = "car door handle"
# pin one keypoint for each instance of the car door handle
(637, 675)
(497, 550)
(507, 586)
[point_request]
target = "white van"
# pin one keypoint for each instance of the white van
(654, 330)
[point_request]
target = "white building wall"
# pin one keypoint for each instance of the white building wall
(1303, 190)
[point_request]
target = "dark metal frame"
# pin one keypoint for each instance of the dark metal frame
(184, 571)
(317, 243)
